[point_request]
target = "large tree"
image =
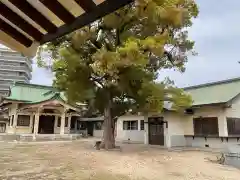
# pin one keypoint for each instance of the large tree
(113, 64)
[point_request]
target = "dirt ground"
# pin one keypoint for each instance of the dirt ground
(79, 161)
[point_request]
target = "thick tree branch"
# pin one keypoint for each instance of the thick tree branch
(118, 41)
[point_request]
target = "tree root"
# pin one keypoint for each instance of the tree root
(100, 145)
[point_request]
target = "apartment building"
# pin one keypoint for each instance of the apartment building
(14, 67)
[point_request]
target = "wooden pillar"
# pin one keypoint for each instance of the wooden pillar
(31, 121)
(36, 122)
(69, 123)
(55, 125)
(75, 127)
(62, 122)
(15, 117)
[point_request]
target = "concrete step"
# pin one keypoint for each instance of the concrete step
(9, 137)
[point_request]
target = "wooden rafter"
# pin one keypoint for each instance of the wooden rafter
(35, 15)
(15, 34)
(17, 18)
(59, 10)
(86, 5)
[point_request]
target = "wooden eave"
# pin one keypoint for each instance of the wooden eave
(51, 102)
(10, 101)
(220, 104)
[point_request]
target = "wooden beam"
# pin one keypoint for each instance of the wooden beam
(59, 10)
(34, 14)
(101, 10)
(87, 5)
(20, 22)
(15, 34)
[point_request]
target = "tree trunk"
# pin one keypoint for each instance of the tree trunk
(108, 130)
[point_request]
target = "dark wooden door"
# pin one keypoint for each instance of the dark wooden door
(90, 128)
(46, 125)
(156, 131)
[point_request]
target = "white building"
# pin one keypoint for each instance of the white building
(14, 67)
(213, 121)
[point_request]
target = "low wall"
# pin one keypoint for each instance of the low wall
(98, 133)
(133, 136)
(212, 142)
(39, 137)
(18, 130)
(57, 130)
(23, 130)
(177, 141)
(9, 137)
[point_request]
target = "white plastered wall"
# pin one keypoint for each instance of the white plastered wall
(133, 136)
(234, 110)
(174, 134)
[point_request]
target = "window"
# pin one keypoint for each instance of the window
(98, 125)
(23, 120)
(130, 125)
(59, 122)
(233, 125)
(66, 122)
(142, 125)
(205, 126)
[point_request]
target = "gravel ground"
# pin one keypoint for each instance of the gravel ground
(78, 160)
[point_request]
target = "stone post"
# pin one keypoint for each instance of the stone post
(69, 123)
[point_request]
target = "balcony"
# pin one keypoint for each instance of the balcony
(17, 60)
(20, 69)
(13, 68)
(14, 78)
(5, 82)
(4, 86)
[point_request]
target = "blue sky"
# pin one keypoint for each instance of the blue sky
(217, 34)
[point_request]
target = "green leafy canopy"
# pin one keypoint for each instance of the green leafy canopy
(119, 57)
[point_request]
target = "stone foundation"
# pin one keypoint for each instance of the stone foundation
(39, 137)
